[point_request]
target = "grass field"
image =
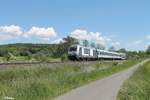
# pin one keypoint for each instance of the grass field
(44, 82)
(137, 87)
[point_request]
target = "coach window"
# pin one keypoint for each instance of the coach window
(99, 53)
(102, 53)
(94, 53)
(86, 51)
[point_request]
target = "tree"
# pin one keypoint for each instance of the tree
(148, 50)
(122, 50)
(69, 40)
(100, 46)
(132, 54)
(93, 45)
(141, 54)
(62, 48)
(112, 48)
(85, 43)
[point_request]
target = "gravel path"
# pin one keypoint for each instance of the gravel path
(104, 89)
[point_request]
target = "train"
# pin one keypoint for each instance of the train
(78, 52)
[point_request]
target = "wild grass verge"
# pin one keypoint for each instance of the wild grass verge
(137, 87)
(44, 82)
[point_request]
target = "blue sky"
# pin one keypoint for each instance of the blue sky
(122, 23)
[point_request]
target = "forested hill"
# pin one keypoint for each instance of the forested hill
(26, 49)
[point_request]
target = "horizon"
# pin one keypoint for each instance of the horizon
(123, 24)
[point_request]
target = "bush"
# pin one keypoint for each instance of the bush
(64, 58)
(9, 56)
(28, 55)
(115, 63)
(40, 57)
(25, 53)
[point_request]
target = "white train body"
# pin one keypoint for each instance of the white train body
(81, 52)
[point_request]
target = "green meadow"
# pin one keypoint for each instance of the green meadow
(45, 81)
(137, 87)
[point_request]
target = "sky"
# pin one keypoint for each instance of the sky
(119, 23)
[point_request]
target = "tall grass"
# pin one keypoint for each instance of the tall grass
(137, 87)
(44, 82)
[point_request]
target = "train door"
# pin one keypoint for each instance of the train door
(80, 51)
(95, 54)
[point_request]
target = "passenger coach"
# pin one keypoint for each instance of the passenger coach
(78, 52)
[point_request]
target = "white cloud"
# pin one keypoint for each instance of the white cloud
(148, 37)
(138, 42)
(13, 31)
(57, 41)
(115, 43)
(9, 32)
(4, 37)
(44, 33)
(91, 36)
(136, 45)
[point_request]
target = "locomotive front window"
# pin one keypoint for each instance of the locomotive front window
(73, 49)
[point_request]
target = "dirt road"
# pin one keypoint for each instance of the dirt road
(104, 89)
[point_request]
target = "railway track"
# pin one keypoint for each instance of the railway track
(9, 64)
(28, 63)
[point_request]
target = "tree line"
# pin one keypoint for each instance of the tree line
(36, 51)
(44, 51)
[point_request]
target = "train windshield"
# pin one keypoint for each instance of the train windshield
(73, 49)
